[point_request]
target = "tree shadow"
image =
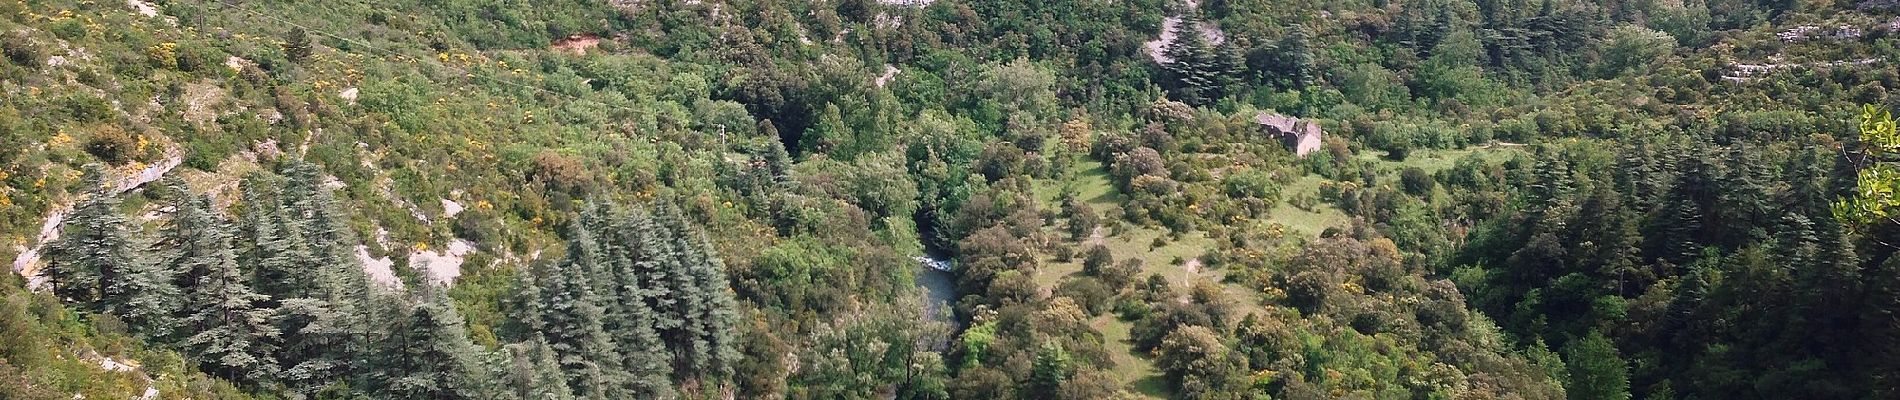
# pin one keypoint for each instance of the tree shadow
(1155, 386)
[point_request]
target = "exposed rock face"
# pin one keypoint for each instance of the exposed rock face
(578, 44)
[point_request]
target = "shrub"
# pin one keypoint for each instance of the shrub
(1415, 181)
(21, 50)
(1098, 257)
(1082, 220)
(69, 29)
(1121, 274)
(560, 172)
(1063, 253)
(1090, 292)
(84, 108)
(112, 145)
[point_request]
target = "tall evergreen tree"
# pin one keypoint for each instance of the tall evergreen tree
(297, 44)
(1191, 64)
(146, 298)
(232, 335)
(1296, 57)
(533, 372)
(1049, 371)
(630, 317)
(97, 263)
(777, 160)
(574, 318)
(92, 247)
(282, 272)
(435, 359)
(188, 242)
(714, 317)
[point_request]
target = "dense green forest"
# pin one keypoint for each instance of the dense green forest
(949, 199)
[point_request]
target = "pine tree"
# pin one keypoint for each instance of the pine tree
(94, 262)
(283, 271)
(574, 318)
(1744, 197)
(436, 359)
(255, 222)
(533, 372)
(526, 308)
(777, 160)
(716, 315)
(297, 44)
(92, 248)
(233, 336)
(629, 316)
(187, 241)
(1191, 63)
(829, 133)
(1296, 56)
(313, 208)
(1605, 234)
(1678, 229)
(311, 334)
(146, 298)
(1051, 368)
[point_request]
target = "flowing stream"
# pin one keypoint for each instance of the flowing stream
(940, 287)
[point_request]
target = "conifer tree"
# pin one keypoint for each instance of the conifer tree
(146, 298)
(187, 242)
(313, 208)
(1744, 199)
(282, 271)
(435, 359)
(829, 133)
(297, 44)
(95, 263)
(533, 372)
(716, 315)
(309, 329)
(1051, 368)
(1676, 230)
(1191, 63)
(629, 316)
(574, 318)
(232, 336)
(1296, 56)
(255, 222)
(526, 308)
(777, 159)
(92, 247)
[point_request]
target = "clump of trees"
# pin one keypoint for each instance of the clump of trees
(275, 299)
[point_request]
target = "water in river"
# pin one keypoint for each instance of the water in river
(940, 288)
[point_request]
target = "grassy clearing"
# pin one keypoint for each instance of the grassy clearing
(1092, 185)
(1303, 222)
(1433, 160)
(1133, 369)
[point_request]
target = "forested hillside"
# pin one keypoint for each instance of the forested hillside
(949, 199)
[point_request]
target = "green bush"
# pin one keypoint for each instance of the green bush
(112, 145)
(22, 50)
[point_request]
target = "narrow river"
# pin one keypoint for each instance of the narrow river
(940, 287)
